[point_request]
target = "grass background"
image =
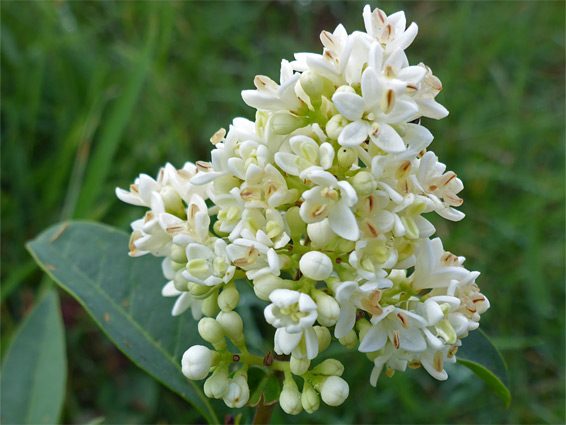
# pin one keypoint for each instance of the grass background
(93, 93)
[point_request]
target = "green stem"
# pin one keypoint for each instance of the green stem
(263, 413)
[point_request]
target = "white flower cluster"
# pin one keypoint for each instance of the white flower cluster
(319, 204)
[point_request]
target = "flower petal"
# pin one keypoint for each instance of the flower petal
(350, 105)
(354, 133)
(343, 221)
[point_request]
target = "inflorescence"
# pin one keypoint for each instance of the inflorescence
(318, 205)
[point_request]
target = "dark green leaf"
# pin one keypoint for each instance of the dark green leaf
(123, 295)
(34, 372)
(479, 355)
(264, 387)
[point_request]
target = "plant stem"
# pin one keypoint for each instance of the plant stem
(263, 413)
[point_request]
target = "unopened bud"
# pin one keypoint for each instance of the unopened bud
(178, 254)
(211, 331)
(347, 157)
(290, 398)
(210, 305)
(315, 265)
(334, 391)
(315, 86)
(296, 224)
(329, 367)
(229, 297)
(323, 336)
(266, 284)
(232, 325)
(299, 366)
(327, 307)
(310, 399)
(335, 126)
(285, 123)
(344, 245)
(172, 202)
(217, 385)
(197, 290)
(350, 340)
(364, 182)
(321, 234)
(196, 362)
(363, 326)
(181, 284)
(238, 392)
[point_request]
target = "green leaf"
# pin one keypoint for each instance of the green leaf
(34, 372)
(479, 355)
(264, 386)
(123, 296)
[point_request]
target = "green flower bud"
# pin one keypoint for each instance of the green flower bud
(211, 331)
(198, 291)
(229, 297)
(266, 284)
(210, 305)
(217, 231)
(321, 234)
(315, 86)
(350, 340)
(345, 245)
(310, 399)
(364, 182)
(232, 325)
(173, 202)
(347, 157)
(299, 366)
(363, 326)
(327, 307)
(285, 123)
(296, 224)
(181, 284)
(335, 126)
(329, 367)
(290, 398)
(178, 254)
(323, 336)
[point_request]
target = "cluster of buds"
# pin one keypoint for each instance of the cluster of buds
(318, 204)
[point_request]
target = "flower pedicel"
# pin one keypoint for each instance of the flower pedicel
(319, 205)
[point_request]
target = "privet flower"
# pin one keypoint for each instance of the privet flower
(320, 203)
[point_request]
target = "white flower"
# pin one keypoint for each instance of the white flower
(207, 267)
(389, 30)
(333, 199)
(306, 153)
(256, 257)
(238, 392)
(403, 328)
(184, 301)
(293, 314)
(290, 398)
(197, 361)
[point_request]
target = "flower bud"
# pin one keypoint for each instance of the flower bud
(316, 265)
(181, 284)
(329, 367)
(334, 391)
(285, 123)
(320, 234)
(363, 326)
(178, 254)
(296, 224)
(172, 202)
(229, 297)
(310, 399)
(315, 86)
(290, 398)
(335, 126)
(197, 361)
(211, 331)
(198, 291)
(232, 325)
(347, 157)
(266, 284)
(323, 336)
(210, 305)
(327, 307)
(344, 245)
(238, 392)
(350, 340)
(364, 183)
(299, 366)
(217, 385)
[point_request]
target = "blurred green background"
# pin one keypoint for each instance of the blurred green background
(94, 93)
